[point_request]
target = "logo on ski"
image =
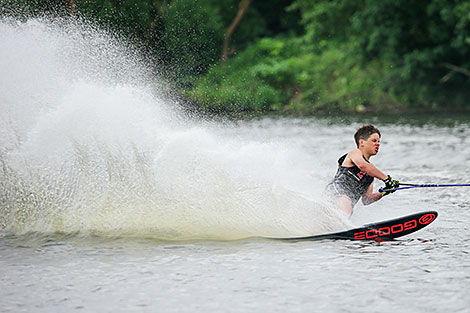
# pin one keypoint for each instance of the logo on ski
(394, 229)
(426, 219)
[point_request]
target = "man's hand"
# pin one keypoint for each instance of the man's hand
(390, 184)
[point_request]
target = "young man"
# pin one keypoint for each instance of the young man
(355, 176)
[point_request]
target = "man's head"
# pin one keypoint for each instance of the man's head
(365, 132)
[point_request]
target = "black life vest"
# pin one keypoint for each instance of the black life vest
(350, 181)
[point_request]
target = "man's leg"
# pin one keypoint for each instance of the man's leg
(345, 205)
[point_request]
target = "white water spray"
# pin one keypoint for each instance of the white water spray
(88, 146)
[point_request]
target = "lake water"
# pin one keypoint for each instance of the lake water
(114, 201)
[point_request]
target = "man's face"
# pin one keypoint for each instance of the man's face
(371, 145)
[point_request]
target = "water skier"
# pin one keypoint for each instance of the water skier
(355, 176)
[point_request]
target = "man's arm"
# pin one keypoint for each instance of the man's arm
(363, 165)
(370, 196)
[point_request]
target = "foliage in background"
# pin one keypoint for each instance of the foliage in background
(300, 55)
(423, 45)
(365, 54)
(274, 74)
(192, 34)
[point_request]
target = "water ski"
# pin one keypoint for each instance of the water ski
(380, 231)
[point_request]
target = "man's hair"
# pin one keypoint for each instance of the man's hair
(365, 132)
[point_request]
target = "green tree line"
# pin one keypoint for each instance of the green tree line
(294, 55)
